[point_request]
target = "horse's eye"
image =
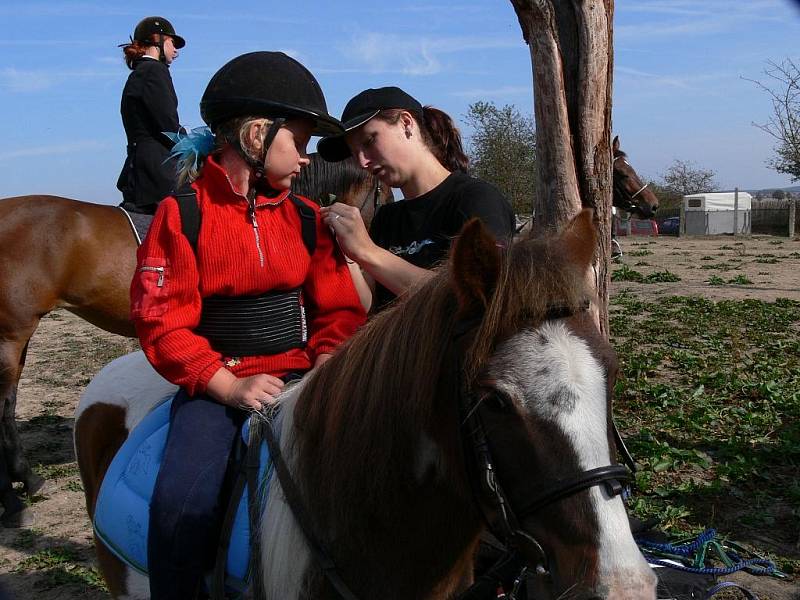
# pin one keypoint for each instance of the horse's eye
(498, 401)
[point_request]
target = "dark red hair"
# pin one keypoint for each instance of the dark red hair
(439, 133)
(137, 49)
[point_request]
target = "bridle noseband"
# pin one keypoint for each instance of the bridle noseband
(506, 521)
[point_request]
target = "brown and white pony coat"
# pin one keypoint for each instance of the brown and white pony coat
(375, 442)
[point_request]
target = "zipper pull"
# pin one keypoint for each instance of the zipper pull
(159, 270)
(252, 207)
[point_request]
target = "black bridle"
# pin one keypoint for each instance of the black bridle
(505, 520)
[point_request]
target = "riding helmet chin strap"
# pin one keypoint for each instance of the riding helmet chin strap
(259, 166)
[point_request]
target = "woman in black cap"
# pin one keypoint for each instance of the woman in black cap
(149, 108)
(255, 294)
(417, 149)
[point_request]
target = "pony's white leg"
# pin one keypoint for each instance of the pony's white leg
(285, 554)
(137, 586)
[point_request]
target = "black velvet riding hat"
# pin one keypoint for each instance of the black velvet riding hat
(361, 109)
(266, 84)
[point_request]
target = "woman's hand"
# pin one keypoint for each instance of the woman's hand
(349, 228)
(246, 393)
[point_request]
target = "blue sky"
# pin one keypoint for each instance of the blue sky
(679, 91)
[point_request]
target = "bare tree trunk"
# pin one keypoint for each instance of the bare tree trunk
(572, 55)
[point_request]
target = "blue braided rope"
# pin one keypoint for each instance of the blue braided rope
(756, 566)
(729, 584)
(684, 549)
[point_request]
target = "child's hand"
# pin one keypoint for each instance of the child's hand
(251, 393)
(248, 393)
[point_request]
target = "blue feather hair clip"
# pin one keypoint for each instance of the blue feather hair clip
(190, 149)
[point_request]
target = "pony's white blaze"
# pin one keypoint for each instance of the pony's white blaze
(285, 556)
(562, 382)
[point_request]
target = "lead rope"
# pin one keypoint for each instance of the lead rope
(697, 550)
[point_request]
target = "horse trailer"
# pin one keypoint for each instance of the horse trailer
(718, 212)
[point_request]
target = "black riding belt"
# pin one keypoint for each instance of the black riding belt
(254, 325)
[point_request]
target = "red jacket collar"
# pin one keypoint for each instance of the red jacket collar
(217, 185)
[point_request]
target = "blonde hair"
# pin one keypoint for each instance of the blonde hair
(233, 132)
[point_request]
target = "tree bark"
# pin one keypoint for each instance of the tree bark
(572, 56)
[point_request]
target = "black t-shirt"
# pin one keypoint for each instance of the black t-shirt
(421, 230)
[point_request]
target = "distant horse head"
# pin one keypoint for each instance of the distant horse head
(347, 182)
(630, 194)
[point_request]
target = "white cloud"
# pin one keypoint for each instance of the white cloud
(67, 9)
(413, 55)
(52, 149)
(651, 81)
(689, 17)
(18, 81)
(24, 81)
(496, 92)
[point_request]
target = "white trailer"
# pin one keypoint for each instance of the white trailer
(717, 212)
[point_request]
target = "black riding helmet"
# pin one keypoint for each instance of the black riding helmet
(266, 84)
(149, 26)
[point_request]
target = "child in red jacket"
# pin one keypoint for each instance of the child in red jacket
(263, 294)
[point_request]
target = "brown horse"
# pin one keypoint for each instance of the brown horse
(62, 253)
(630, 194)
(483, 400)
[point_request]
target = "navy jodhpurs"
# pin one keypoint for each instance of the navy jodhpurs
(186, 509)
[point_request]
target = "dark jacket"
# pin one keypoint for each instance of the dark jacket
(149, 107)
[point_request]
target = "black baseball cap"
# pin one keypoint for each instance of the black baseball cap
(361, 109)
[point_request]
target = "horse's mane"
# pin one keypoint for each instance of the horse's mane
(361, 417)
(339, 177)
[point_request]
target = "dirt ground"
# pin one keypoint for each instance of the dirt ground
(53, 559)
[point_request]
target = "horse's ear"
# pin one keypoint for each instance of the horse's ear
(615, 145)
(579, 238)
(475, 262)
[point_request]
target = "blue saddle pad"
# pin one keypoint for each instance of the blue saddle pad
(121, 515)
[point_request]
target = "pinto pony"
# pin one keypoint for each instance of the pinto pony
(61, 253)
(482, 400)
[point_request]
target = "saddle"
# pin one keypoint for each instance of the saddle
(121, 515)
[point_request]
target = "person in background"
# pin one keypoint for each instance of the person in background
(149, 108)
(261, 256)
(418, 150)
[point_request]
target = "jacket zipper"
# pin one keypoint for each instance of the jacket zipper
(159, 270)
(252, 205)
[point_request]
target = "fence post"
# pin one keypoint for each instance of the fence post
(682, 225)
(792, 210)
(735, 212)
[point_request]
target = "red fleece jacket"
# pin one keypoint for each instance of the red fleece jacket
(235, 256)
